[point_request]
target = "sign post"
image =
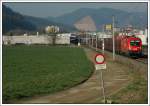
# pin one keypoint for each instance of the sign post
(100, 64)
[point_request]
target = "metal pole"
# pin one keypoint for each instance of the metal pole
(92, 41)
(103, 89)
(96, 42)
(103, 27)
(113, 38)
(103, 46)
(89, 40)
(86, 38)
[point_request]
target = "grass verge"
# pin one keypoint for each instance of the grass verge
(136, 92)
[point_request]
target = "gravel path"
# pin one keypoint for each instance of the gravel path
(115, 77)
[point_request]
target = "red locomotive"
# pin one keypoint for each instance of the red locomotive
(129, 45)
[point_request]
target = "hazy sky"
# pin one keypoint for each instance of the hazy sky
(57, 9)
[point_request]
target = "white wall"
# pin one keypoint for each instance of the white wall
(35, 39)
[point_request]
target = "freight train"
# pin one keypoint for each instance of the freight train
(128, 45)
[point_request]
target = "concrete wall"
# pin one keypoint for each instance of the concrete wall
(32, 39)
(62, 40)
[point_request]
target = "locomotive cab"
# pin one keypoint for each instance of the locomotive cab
(135, 45)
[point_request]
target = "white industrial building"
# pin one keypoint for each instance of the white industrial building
(143, 35)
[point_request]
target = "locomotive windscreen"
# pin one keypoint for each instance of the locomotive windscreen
(135, 43)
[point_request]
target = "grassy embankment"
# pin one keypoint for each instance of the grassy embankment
(136, 92)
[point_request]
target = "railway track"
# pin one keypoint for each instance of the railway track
(108, 46)
(142, 60)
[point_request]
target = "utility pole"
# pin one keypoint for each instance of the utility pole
(103, 27)
(103, 44)
(96, 42)
(113, 19)
(86, 38)
(92, 41)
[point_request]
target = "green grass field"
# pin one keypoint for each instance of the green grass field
(33, 70)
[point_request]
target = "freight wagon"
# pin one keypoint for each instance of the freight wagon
(129, 45)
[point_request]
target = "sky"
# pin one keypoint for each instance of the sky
(57, 9)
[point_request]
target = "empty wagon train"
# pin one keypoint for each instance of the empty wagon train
(128, 45)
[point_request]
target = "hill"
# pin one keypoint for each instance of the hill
(41, 23)
(13, 21)
(104, 16)
(17, 23)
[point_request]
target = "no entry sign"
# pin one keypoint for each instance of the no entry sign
(100, 62)
(99, 59)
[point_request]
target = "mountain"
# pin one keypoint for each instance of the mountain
(93, 19)
(71, 18)
(15, 21)
(103, 16)
(41, 23)
(18, 24)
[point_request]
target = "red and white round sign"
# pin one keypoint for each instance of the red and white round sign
(99, 59)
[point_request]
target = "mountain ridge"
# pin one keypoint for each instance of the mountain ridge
(17, 23)
(104, 16)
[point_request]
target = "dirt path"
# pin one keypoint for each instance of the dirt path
(115, 77)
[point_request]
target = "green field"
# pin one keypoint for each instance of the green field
(33, 70)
